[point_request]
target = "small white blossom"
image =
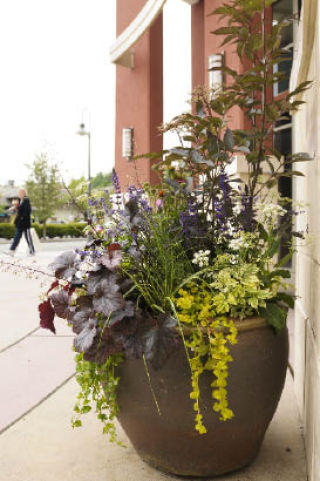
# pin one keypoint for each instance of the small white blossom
(236, 243)
(201, 258)
(270, 212)
(178, 164)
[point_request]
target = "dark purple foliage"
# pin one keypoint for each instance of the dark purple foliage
(60, 304)
(64, 266)
(161, 341)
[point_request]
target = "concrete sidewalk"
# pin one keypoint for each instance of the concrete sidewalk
(38, 392)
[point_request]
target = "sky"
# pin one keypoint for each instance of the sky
(56, 73)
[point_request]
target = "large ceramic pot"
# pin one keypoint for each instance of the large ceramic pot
(169, 442)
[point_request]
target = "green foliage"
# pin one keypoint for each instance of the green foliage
(44, 187)
(101, 181)
(208, 343)
(7, 230)
(163, 264)
(275, 315)
(74, 229)
(98, 385)
(213, 143)
(76, 192)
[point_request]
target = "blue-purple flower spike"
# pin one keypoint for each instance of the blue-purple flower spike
(115, 182)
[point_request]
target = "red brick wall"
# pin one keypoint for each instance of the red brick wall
(204, 44)
(139, 97)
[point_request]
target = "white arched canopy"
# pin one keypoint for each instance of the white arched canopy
(120, 50)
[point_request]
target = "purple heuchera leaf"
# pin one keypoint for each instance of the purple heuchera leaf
(111, 260)
(81, 318)
(127, 327)
(107, 298)
(161, 341)
(95, 280)
(134, 343)
(127, 311)
(64, 265)
(103, 345)
(60, 304)
(85, 338)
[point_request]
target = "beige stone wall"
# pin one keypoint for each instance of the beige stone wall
(306, 135)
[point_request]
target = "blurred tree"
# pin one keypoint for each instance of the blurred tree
(101, 180)
(44, 188)
(76, 192)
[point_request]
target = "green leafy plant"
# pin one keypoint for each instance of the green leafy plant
(44, 188)
(91, 377)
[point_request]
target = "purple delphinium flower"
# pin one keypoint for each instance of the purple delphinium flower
(136, 194)
(104, 205)
(192, 205)
(222, 205)
(246, 217)
(115, 182)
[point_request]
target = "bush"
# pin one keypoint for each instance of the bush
(74, 229)
(6, 230)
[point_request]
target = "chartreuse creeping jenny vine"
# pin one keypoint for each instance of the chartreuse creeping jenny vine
(208, 341)
(208, 308)
(98, 385)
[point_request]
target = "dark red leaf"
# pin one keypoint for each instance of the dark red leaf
(53, 286)
(47, 316)
(114, 247)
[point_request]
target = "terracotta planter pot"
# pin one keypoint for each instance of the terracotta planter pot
(169, 442)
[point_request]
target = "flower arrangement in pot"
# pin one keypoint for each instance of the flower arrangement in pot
(179, 301)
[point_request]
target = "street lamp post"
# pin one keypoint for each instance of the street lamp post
(83, 131)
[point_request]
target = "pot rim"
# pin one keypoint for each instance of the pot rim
(242, 325)
(250, 323)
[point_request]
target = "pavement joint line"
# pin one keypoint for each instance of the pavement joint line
(37, 404)
(19, 340)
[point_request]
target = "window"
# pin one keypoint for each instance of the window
(281, 10)
(282, 141)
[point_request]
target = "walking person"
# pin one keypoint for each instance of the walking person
(23, 224)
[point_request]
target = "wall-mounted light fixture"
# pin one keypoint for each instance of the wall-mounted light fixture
(216, 77)
(127, 143)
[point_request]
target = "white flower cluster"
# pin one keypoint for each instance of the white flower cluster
(270, 212)
(201, 258)
(246, 240)
(178, 164)
(236, 243)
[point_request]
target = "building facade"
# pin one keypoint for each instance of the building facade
(138, 53)
(306, 138)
